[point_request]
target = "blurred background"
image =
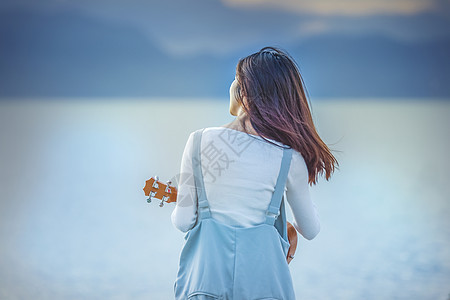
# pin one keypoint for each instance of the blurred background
(98, 96)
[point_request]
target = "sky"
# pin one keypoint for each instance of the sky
(190, 48)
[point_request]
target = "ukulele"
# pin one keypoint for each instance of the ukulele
(156, 189)
(167, 194)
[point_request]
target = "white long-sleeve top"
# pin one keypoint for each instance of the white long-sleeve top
(239, 173)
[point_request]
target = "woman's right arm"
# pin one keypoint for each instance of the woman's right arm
(184, 215)
(306, 218)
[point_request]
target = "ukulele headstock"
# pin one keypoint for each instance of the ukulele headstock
(156, 189)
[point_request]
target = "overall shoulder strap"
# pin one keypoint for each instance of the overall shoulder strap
(202, 203)
(281, 222)
(274, 207)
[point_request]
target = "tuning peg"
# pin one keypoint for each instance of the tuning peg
(168, 189)
(164, 199)
(168, 183)
(151, 195)
(155, 184)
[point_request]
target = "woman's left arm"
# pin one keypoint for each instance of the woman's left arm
(184, 216)
(306, 217)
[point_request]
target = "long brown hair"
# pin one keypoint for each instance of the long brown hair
(276, 105)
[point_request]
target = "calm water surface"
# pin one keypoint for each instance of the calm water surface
(74, 222)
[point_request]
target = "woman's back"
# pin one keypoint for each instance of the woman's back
(219, 261)
(240, 172)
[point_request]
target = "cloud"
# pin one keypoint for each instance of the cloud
(217, 28)
(184, 28)
(313, 27)
(342, 7)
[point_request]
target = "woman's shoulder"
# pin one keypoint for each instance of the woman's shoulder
(238, 140)
(221, 131)
(225, 132)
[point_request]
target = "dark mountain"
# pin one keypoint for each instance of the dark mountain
(374, 66)
(69, 55)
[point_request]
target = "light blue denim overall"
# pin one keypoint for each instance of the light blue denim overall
(219, 261)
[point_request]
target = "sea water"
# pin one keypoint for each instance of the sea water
(75, 224)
